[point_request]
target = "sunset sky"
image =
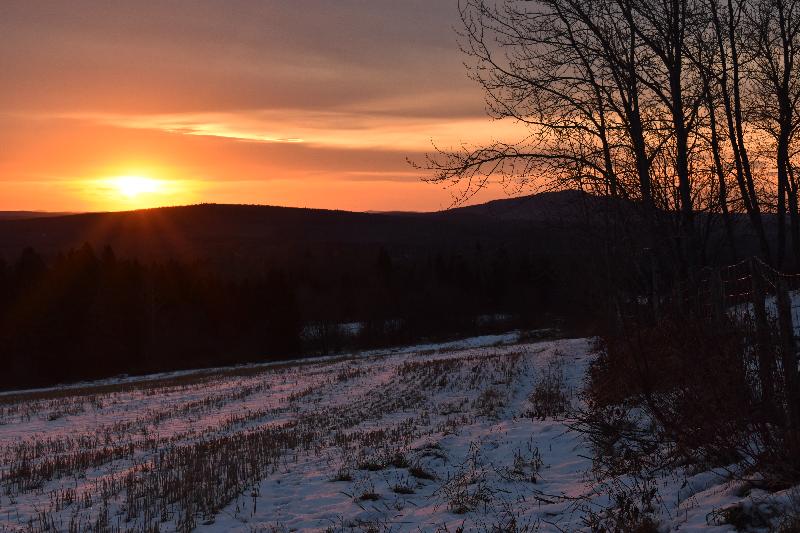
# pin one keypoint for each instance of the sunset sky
(109, 105)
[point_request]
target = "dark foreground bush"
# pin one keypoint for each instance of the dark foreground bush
(697, 385)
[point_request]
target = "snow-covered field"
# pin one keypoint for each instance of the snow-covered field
(433, 438)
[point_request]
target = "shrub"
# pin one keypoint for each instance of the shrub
(550, 396)
(692, 383)
(419, 472)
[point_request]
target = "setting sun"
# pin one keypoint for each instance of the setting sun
(137, 190)
(133, 186)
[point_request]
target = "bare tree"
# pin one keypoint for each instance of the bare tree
(706, 61)
(654, 103)
(773, 37)
(605, 93)
(726, 28)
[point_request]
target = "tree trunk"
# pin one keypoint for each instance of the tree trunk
(731, 102)
(766, 364)
(720, 171)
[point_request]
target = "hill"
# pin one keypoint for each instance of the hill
(550, 208)
(204, 285)
(206, 231)
(16, 215)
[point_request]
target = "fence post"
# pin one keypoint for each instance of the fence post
(654, 289)
(717, 297)
(765, 362)
(788, 351)
(678, 297)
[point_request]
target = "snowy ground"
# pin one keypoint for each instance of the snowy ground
(431, 438)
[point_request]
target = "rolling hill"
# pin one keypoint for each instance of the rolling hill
(206, 231)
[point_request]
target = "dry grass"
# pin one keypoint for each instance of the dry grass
(177, 464)
(551, 396)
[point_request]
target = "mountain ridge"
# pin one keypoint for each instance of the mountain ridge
(210, 230)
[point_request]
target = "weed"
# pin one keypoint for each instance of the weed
(550, 396)
(403, 486)
(371, 465)
(419, 472)
(399, 460)
(342, 474)
(790, 523)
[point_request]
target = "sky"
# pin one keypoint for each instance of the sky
(110, 105)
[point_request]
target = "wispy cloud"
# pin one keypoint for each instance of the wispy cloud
(340, 129)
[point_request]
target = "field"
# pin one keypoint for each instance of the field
(461, 436)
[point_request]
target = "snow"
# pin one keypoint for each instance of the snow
(469, 342)
(433, 437)
(744, 311)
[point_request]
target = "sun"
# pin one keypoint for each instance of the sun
(139, 190)
(133, 186)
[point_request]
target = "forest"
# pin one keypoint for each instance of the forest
(87, 314)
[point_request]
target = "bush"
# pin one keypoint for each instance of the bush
(550, 396)
(694, 382)
(630, 512)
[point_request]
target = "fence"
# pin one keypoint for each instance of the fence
(761, 304)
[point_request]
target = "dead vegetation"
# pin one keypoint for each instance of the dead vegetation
(551, 396)
(171, 454)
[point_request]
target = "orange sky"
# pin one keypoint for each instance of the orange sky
(307, 103)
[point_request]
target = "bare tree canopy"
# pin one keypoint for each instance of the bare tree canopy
(676, 107)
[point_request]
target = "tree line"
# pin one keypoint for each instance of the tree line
(87, 314)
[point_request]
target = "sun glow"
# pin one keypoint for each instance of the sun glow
(136, 190)
(133, 186)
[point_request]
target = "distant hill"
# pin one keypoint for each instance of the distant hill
(16, 215)
(213, 231)
(548, 207)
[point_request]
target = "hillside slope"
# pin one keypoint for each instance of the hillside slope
(208, 230)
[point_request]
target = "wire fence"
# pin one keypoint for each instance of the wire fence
(714, 357)
(733, 291)
(762, 306)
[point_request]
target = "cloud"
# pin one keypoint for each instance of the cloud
(210, 56)
(340, 129)
(296, 92)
